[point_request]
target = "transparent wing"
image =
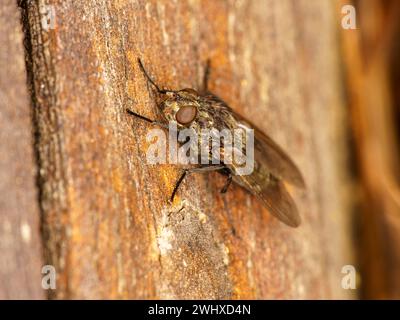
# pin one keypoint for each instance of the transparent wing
(272, 166)
(267, 153)
(273, 195)
(276, 160)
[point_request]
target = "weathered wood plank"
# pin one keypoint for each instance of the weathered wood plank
(20, 249)
(110, 231)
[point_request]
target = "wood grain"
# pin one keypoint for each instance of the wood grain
(20, 242)
(108, 227)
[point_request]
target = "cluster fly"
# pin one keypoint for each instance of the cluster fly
(188, 108)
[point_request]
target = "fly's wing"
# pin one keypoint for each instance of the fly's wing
(271, 166)
(270, 155)
(273, 195)
(267, 153)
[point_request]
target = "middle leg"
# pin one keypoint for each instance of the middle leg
(187, 171)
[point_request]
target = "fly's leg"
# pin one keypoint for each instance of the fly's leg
(227, 183)
(193, 170)
(157, 123)
(162, 91)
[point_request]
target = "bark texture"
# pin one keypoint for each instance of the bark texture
(107, 226)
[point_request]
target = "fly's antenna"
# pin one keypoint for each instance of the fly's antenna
(150, 79)
(206, 76)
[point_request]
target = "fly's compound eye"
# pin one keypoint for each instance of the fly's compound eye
(186, 115)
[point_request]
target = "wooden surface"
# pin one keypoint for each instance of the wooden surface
(107, 226)
(20, 243)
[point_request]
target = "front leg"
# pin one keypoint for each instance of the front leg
(199, 170)
(157, 123)
(227, 183)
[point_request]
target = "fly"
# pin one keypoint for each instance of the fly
(188, 108)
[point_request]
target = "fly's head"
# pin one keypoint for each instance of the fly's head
(185, 108)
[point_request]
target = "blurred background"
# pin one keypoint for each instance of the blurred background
(372, 65)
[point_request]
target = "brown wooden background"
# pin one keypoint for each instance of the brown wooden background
(101, 212)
